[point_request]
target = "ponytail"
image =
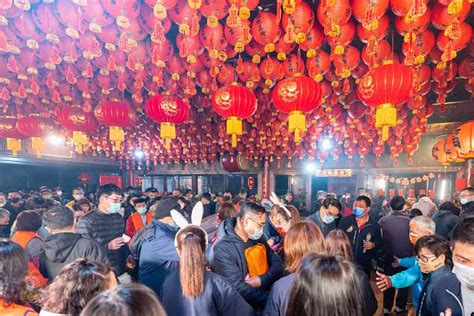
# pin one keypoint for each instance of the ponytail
(191, 245)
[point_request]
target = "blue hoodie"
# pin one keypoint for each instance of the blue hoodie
(158, 256)
(412, 276)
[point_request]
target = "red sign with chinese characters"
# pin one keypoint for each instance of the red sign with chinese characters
(250, 182)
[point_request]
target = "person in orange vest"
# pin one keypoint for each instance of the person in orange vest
(14, 263)
(27, 224)
(139, 218)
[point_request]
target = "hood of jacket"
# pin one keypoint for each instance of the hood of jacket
(442, 214)
(57, 247)
(227, 231)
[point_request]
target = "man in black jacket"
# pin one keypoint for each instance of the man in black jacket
(63, 246)
(363, 233)
(327, 214)
(106, 226)
(238, 237)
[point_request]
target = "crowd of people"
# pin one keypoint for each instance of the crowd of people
(145, 253)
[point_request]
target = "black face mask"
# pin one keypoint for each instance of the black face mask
(14, 200)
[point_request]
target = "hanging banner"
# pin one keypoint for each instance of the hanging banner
(340, 173)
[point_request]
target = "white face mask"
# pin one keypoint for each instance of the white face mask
(77, 197)
(463, 201)
(465, 275)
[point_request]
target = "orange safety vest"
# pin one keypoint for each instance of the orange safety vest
(137, 220)
(15, 310)
(33, 276)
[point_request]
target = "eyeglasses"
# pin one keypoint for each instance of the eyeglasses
(260, 225)
(426, 259)
(116, 200)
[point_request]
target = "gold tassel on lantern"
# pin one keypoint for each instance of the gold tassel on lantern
(79, 139)
(14, 145)
(297, 124)
(385, 117)
(116, 135)
(37, 144)
(168, 132)
(234, 127)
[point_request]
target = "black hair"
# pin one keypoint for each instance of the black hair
(108, 189)
(397, 203)
(207, 196)
(14, 268)
(29, 221)
(154, 190)
(463, 232)
(364, 198)
(450, 206)
(414, 212)
(468, 189)
(243, 191)
(332, 202)
(78, 188)
(38, 203)
(141, 199)
(58, 217)
(437, 245)
(252, 208)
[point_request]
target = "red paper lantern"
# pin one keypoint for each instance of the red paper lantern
(296, 96)
(36, 128)
(9, 131)
(439, 154)
(79, 123)
(265, 30)
(464, 140)
(168, 111)
(298, 23)
(386, 87)
(442, 17)
(234, 103)
(368, 12)
(314, 40)
(115, 115)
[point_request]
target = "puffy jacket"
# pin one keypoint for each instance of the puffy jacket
(395, 232)
(412, 276)
(61, 249)
(218, 298)
(441, 290)
(445, 221)
(158, 256)
(325, 228)
(229, 261)
(103, 228)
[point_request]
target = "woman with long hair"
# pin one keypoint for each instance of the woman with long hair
(125, 300)
(12, 279)
(337, 244)
(279, 221)
(325, 286)
(441, 289)
(303, 238)
(75, 285)
(194, 290)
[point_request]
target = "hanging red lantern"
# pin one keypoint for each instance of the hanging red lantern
(408, 7)
(79, 123)
(297, 96)
(439, 154)
(36, 128)
(368, 12)
(168, 111)
(464, 140)
(386, 87)
(214, 10)
(318, 65)
(314, 40)
(115, 115)
(451, 150)
(405, 24)
(9, 131)
(443, 16)
(298, 23)
(265, 30)
(456, 41)
(379, 32)
(294, 64)
(234, 103)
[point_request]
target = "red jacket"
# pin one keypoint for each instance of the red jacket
(134, 223)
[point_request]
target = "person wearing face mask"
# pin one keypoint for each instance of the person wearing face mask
(14, 205)
(396, 244)
(363, 232)
(4, 220)
(241, 254)
(139, 219)
(466, 198)
(105, 225)
(77, 194)
(462, 246)
(326, 217)
(420, 226)
(48, 195)
(441, 289)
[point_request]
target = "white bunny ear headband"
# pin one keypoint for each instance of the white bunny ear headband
(276, 201)
(196, 219)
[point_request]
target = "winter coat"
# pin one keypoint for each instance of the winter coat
(158, 256)
(412, 276)
(441, 290)
(135, 222)
(279, 296)
(395, 233)
(61, 249)
(103, 228)
(445, 221)
(369, 232)
(218, 298)
(270, 232)
(229, 261)
(325, 228)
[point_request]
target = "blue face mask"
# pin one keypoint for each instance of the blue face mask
(114, 208)
(328, 219)
(358, 211)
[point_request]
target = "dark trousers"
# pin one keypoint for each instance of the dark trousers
(389, 294)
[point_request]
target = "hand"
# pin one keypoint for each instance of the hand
(383, 282)
(116, 243)
(254, 281)
(448, 312)
(396, 262)
(368, 245)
